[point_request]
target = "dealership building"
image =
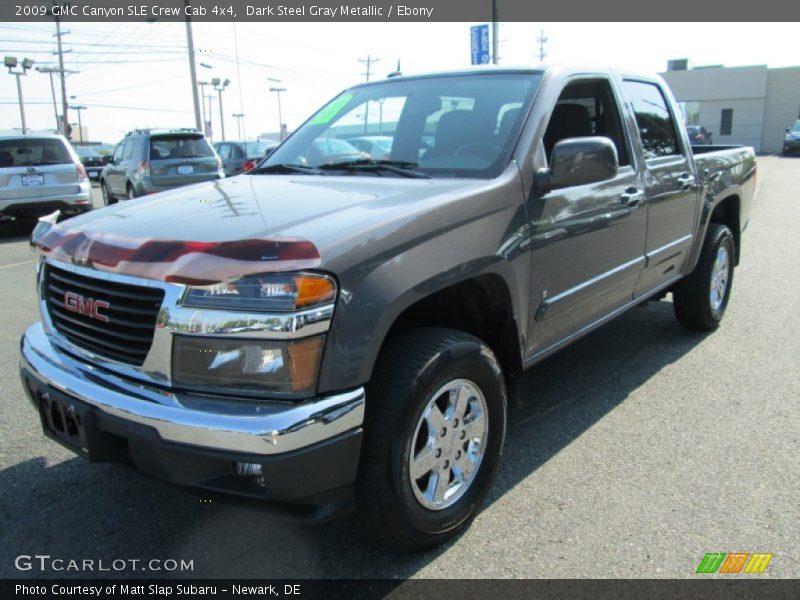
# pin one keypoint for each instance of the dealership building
(738, 105)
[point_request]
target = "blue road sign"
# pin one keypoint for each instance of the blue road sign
(479, 42)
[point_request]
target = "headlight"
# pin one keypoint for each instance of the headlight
(265, 293)
(250, 367)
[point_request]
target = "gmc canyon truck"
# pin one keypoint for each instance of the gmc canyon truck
(335, 331)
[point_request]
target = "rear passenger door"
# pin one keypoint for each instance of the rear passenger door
(670, 186)
(587, 241)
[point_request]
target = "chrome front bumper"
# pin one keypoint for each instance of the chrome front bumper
(233, 425)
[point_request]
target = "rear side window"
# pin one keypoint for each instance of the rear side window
(179, 146)
(656, 125)
(31, 152)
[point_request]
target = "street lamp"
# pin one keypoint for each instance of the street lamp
(239, 117)
(80, 122)
(278, 91)
(11, 63)
(220, 87)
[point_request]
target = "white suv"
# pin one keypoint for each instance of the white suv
(39, 173)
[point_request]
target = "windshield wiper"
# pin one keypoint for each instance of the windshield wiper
(399, 167)
(286, 168)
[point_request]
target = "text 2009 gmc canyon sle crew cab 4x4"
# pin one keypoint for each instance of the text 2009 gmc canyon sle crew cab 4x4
(334, 331)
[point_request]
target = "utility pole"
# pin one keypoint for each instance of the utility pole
(192, 68)
(369, 62)
(495, 34)
(64, 118)
(210, 99)
(542, 39)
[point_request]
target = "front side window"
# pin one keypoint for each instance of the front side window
(448, 126)
(586, 108)
(653, 118)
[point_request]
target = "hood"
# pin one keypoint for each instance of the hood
(251, 223)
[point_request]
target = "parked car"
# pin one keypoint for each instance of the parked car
(150, 161)
(378, 147)
(331, 150)
(41, 173)
(240, 157)
(699, 135)
(92, 161)
(791, 143)
(347, 333)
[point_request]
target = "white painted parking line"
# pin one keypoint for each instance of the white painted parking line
(19, 264)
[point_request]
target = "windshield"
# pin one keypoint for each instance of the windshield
(448, 126)
(175, 146)
(32, 152)
(796, 127)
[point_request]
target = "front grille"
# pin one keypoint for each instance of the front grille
(132, 312)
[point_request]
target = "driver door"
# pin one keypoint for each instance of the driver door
(587, 241)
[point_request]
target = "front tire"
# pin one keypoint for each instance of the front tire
(108, 199)
(701, 298)
(434, 431)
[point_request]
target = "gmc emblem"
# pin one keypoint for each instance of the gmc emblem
(88, 307)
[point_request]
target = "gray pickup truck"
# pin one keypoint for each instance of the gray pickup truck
(332, 331)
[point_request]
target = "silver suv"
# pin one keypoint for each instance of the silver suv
(40, 173)
(153, 160)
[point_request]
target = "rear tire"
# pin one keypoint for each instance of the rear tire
(436, 416)
(701, 298)
(131, 195)
(108, 199)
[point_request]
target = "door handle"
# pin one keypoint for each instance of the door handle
(631, 197)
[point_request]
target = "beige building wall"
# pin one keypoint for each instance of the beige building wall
(764, 101)
(782, 106)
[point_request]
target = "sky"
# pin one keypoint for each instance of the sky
(132, 75)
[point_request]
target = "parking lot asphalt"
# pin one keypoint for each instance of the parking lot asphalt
(638, 449)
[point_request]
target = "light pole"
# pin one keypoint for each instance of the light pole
(80, 122)
(239, 117)
(278, 91)
(220, 87)
(11, 63)
(203, 85)
(50, 71)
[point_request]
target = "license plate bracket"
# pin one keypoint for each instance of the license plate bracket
(68, 422)
(33, 180)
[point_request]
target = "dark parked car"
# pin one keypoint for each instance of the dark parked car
(241, 157)
(698, 135)
(92, 160)
(791, 143)
(148, 161)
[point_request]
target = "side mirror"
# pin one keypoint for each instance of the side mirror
(579, 161)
